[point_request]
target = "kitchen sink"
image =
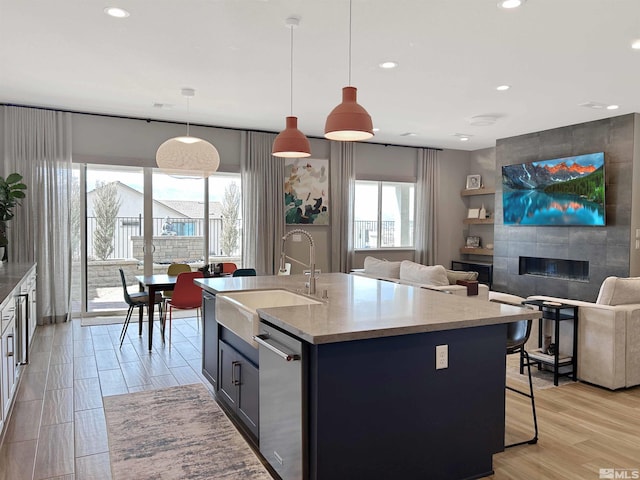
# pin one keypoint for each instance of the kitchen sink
(237, 310)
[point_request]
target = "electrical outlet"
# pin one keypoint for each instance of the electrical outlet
(442, 357)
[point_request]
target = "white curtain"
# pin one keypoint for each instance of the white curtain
(426, 207)
(343, 174)
(263, 204)
(38, 146)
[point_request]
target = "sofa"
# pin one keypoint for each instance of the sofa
(608, 334)
(434, 277)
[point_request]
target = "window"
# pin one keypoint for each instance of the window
(383, 215)
(108, 228)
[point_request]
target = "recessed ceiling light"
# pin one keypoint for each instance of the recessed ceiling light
(502, 88)
(594, 105)
(388, 65)
(376, 129)
(116, 12)
(636, 44)
(463, 137)
(510, 3)
(482, 120)
(613, 107)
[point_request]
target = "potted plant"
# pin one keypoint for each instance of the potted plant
(11, 192)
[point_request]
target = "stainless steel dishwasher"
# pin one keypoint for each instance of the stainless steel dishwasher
(282, 407)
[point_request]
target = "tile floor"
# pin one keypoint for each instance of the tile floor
(57, 429)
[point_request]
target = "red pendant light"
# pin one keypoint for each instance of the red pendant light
(291, 142)
(349, 121)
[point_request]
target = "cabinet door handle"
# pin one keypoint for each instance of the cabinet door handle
(10, 353)
(234, 380)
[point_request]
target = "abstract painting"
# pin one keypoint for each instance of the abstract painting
(306, 191)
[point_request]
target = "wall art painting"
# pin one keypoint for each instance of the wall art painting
(306, 191)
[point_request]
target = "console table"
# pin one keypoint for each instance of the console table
(556, 312)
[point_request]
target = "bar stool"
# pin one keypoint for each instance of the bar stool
(517, 335)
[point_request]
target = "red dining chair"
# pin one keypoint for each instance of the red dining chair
(228, 267)
(186, 296)
(174, 270)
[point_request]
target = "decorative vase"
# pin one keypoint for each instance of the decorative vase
(483, 212)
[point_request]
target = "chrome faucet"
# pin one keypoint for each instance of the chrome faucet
(312, 258)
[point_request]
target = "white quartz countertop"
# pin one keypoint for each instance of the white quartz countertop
(360, 308)
(11, 274)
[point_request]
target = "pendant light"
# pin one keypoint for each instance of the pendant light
(349, 121)
(189, 157)
(291, 142)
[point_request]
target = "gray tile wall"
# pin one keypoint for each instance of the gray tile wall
(607, 249)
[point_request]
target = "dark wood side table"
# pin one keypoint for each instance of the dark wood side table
(556, 312)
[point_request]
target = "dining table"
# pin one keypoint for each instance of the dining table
(159, 282)
(153, 284)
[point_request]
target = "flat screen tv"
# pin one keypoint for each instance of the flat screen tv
(563, 191)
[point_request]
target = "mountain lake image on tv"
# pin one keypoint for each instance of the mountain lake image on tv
(563, 191)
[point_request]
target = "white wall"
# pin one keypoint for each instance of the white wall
(117, 141)
(454, 168)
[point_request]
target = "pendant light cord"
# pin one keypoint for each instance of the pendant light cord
(188, 116)
(349, 43)
(291, 76)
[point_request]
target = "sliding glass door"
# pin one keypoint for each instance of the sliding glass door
(141, 220)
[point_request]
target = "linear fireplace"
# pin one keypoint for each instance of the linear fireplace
(576, 270)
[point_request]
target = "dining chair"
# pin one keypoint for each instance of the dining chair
(186, 296)
(174, 270)
(137, 299)
(228, 267)
(245, 272)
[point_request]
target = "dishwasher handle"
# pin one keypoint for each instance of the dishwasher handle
(262, 340)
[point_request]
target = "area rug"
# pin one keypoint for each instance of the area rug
(176, 433)
(541, 379)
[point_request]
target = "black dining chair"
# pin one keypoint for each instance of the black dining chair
(137, 299)
(244, 272)
(517, 335)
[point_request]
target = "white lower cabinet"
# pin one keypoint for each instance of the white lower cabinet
(8, 369)
(18, 322)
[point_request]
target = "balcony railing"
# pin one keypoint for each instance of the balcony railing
(365, 234)
(127, 227)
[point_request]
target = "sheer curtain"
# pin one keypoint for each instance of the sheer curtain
(263, 204)
(426, 207)
(38, 146)
(343, 174)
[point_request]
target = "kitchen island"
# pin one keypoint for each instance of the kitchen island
(371, 402)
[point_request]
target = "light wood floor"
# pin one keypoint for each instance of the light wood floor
(57, 430)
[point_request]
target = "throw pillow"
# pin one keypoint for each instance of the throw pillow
(619, 291)
(455, 275)
(381, 268)
(435, 275)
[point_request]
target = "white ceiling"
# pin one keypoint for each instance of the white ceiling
(556, 54)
